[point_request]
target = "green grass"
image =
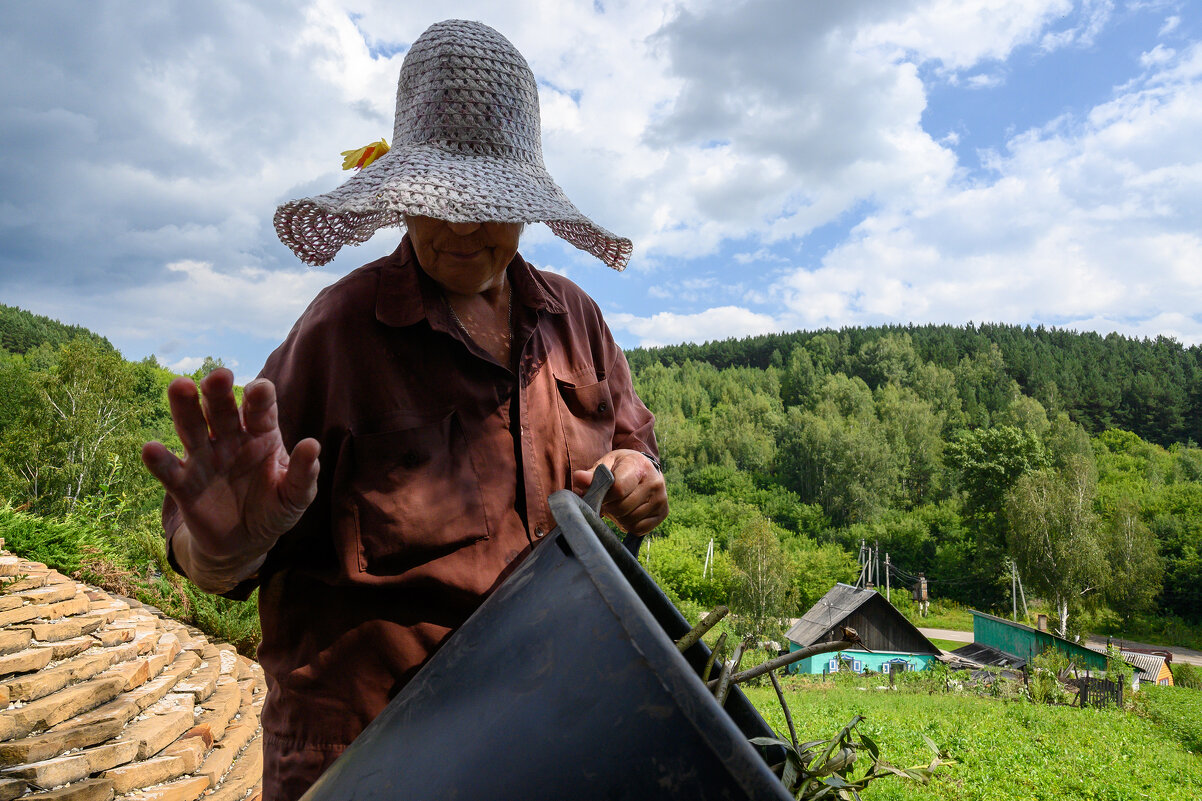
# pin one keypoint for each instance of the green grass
(942, 614)
(1008, 750)
(947, 645)
(1177, 710)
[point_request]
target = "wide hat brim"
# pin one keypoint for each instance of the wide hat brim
(428, 181)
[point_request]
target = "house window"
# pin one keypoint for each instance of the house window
(857, 666)
(833, 666)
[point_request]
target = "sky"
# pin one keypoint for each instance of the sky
(779, 164)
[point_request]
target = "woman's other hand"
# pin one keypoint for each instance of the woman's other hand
(638, 499)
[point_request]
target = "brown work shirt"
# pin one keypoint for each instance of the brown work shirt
(436, 464)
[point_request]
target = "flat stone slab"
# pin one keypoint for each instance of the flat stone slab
(57, 707)
(87, 790)
(13, 640)
(51, 744)
(11, 789)
(158, 731)
(25, 661)
(187, 789)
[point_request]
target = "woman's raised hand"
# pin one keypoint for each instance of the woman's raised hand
(237, 487)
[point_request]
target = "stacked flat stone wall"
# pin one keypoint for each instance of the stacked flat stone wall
(102, 697)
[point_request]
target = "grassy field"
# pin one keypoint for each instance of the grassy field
(947, 645)
(1009, 750)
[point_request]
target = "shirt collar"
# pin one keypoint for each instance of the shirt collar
(407, 295)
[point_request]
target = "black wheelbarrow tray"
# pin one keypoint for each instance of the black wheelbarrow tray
(566, 683)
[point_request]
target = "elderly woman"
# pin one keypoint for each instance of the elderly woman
(449, 388)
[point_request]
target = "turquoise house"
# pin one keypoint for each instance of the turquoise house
(894, 643)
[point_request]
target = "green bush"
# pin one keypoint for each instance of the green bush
(1189, 676)
(677, 562)
(63, 545)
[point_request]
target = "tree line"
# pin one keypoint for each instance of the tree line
(924, 440)
(964, 459)
(1151, 387)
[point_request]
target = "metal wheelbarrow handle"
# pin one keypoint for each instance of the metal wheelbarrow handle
(603, 479)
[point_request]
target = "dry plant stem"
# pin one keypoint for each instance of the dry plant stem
(709, 663)
(780, 695)
(724, 681)
(790, 658)
(701, 629)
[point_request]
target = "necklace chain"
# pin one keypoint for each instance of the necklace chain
(508, 317)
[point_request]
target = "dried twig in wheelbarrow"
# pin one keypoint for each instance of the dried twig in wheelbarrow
(728, 669)
(709, 663)
(701, 629)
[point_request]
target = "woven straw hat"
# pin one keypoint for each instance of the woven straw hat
(467, 147)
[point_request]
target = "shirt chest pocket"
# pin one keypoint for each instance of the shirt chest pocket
(587, 415)
(413, 495)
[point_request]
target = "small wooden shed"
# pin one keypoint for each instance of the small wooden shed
(894, 643)
(1154, 666)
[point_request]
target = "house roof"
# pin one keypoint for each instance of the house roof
(841, 601)
(1033, 640)
(1150, 664)
(985, 655)
(837, 604)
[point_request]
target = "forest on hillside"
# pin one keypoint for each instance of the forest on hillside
(968, 454)
(971, 455)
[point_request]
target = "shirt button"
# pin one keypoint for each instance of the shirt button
(602, 406)
(538, 532)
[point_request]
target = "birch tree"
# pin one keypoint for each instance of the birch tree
(1054, 535)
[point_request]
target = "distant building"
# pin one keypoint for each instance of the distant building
(1004, 643)
(895, 644)
(1154, 665)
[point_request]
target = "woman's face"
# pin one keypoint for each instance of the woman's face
(464, 258)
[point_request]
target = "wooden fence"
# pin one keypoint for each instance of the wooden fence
(1100, 692)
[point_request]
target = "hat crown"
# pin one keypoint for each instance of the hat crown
(464, 88)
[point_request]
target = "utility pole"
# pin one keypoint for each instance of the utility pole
(861, 582)
(1013, 592)
(888, 597)
(876, 560)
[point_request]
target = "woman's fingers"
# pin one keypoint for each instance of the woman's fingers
(187, 416)
(299, 486)
(259, 411)
(220, 407)
(645, 518)
(163, 465)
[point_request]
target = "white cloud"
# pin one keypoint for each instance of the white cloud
(667, 328)
(151, 161)
(1095, 14)
(1088, 223)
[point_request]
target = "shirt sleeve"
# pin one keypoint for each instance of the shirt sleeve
(634, 424)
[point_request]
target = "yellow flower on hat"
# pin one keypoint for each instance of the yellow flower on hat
(358, 159)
